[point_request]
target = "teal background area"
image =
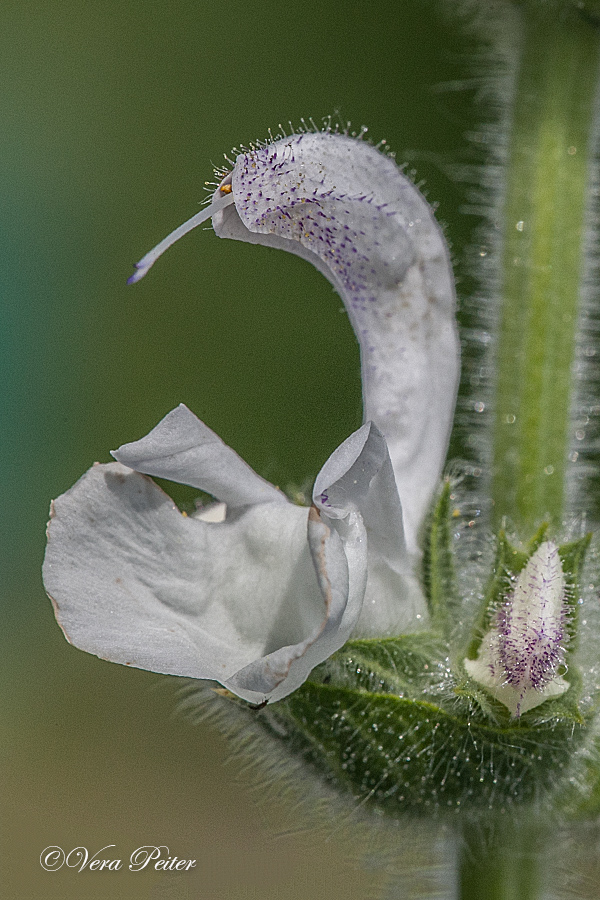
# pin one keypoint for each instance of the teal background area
(111, 114)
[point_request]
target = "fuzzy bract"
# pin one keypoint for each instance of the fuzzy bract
(521, 656)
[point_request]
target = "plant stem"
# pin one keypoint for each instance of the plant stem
(542, 261)
(494, 868)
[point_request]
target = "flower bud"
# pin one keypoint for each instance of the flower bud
(521, 655)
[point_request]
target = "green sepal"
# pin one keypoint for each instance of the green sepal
(439, 577)
(572, 556)
(532, 545)
(412, 665)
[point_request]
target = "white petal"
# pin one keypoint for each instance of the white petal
(359, 476)
(340, 564)
(328, 540)
(184, 449)
(136, 582)
(350, 211)
(486, 671)
(344, 482)
(214, 512)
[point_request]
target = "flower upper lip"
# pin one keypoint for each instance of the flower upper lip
(257, 600)
(369, 231)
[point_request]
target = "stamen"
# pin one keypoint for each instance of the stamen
(147, 261)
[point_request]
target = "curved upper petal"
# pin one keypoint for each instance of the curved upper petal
(350, 211)
(181, 448)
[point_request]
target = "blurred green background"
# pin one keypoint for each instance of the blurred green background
(111, 114)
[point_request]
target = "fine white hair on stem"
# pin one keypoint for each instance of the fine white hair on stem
(147, 261)
(584, 433)
(494, 27)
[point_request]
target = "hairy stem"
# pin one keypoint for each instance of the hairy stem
(498, 866)
(543, 235)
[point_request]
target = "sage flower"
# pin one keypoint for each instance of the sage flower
(254, 592)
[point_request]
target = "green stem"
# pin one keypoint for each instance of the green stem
(498, 866)
(543, 233)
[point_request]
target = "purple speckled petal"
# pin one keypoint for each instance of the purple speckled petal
(350, 211)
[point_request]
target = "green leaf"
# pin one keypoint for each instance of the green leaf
(572, 557)
(416, 756)
(412, 665)
(439, 579)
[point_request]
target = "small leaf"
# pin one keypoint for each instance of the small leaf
(439, 576)
(572, 556)
(507, 557)
(412, 665)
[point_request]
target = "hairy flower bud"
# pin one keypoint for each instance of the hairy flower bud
(521, 655)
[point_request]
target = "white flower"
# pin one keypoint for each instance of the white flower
(256, 594)
(520, 656)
